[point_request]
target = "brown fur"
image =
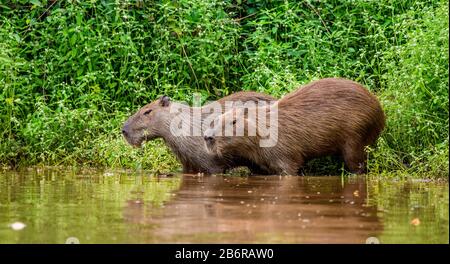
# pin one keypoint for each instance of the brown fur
(329, 116)
(145, 125)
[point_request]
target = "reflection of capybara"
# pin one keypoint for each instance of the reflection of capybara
(329, 116)
(260, 209)
(153, 121)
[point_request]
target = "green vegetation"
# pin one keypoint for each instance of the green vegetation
(72, 71)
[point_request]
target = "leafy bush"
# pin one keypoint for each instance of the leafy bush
(72, 71)
(416, 97)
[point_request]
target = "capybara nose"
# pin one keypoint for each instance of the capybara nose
(208, 138)
(124, 132)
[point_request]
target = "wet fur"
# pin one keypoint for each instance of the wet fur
(189, 150)
(329, 116)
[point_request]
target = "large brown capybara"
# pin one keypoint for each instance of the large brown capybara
(326, 117)
(154, 120)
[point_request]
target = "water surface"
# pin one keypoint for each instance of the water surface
(49, 206)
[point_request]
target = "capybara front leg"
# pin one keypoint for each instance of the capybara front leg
(355, 158)
(289, 167)
(187, 168)
(257, 170)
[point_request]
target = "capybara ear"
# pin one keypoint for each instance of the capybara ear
(164, 101)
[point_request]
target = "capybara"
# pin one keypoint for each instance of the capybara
(154, 121)
(326, 117)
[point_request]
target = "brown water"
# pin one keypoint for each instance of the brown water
(49, 206)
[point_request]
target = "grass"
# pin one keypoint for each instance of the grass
(72, 71)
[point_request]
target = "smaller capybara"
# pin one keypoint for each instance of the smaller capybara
(326, 117)
(154, 120)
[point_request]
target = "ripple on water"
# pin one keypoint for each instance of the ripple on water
(127, 207)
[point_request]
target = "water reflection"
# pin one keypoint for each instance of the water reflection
(50, 206)
(265, 209)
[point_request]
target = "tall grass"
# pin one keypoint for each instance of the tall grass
(416, 98)
(71, 71)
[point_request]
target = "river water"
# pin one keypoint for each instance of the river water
(89, 206)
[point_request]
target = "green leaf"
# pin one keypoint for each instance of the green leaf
(36, 3)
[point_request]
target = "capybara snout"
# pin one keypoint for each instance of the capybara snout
(143, 124)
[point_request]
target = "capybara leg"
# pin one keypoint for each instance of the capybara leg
(355, 158)
(257, 170)
(288, 171)
(188, 168)
(290, 167)
(216, 170)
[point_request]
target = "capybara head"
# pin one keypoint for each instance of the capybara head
(145, 124)
(232, 130)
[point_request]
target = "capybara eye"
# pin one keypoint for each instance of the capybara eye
(148, 112)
